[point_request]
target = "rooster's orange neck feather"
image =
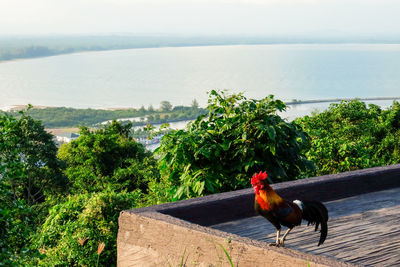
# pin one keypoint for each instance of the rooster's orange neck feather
(268, 198)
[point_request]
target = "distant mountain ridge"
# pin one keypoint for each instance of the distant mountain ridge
(25, 46)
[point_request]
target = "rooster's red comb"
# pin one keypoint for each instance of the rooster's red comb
(259, 176)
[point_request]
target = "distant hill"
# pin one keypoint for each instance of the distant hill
(17, 47)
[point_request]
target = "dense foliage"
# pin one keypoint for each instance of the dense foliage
(74, 229)
(239, 137)
(43, 211)
(28, 162)
(29, 172)
(107, 158)
(352, 135)
(58, 209)
(15, 228)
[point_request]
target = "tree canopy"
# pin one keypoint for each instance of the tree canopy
(239, 137)
(107, 158)
(352, 135)
(71, 117)
(29, 172)
(28, 161)
(74, 228)
(165, 106)
(57, 210)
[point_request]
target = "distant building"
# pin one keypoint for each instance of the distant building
(66, 137)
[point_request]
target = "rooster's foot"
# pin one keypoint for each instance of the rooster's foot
(274, 245)
(280, 244)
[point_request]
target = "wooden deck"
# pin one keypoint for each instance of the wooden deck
(364, 230)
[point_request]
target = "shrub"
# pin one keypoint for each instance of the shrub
(29, 173)
(239, 137)
(15, 228)
(28, 162)
(87, 218)
(352, 135)
(107, 158)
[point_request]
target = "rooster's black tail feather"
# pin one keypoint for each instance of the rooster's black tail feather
(316, 213)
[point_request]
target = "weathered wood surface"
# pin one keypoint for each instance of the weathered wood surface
(364, 230)
(152, 241)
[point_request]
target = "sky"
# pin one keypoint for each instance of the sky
(202, 17)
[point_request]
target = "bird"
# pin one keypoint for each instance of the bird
(281, 212)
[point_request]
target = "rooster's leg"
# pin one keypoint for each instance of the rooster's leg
(278, 233)
(282, 240)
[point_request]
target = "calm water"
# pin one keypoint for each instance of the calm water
(131, 78)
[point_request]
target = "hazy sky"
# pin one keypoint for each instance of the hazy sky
(260, 17)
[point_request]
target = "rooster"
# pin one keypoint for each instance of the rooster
(282, 212)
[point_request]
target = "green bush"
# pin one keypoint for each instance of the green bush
(29, 173)
(15, 228)
(28, 161)
(108, 171)
(352, 135)
(107, 158)
(220, 152)
(92, 216)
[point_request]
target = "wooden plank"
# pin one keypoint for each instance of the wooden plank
(364, 229)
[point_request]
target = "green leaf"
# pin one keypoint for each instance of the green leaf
(226, 145)
(212, 132)
(271, 132)
(226, 254)
(206, 152)
(178, 194)
(272, 148)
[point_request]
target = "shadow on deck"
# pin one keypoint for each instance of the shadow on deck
(363, 226)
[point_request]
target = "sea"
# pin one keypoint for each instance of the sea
(144, 77)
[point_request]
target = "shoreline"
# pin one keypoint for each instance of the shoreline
(334, 100)
(16, 108)
(55, 53)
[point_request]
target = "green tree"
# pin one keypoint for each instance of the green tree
(142, 110)
(15, 228)
(239, 137)
(195, 104)
(107, 158)
(150, 118)
(165, 106)
(29, 171)
(351, 135)
(28, 161)
(73, 229)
